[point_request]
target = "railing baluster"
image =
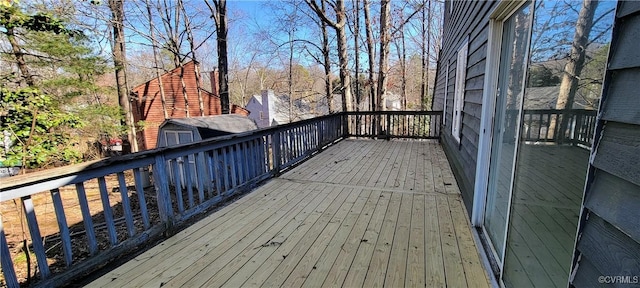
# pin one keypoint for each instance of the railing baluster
(239, 160)
(137, 175)
(200, 170)
(106, 210)
(162, 191)
(86, 218)
(36, 239)
(61, 218)
(126, 204)
(226, 170)
(218, 176)
(179, 181)
(232, 164)
(189, 180)
(275, 148)
(10, 278)
(204, 165)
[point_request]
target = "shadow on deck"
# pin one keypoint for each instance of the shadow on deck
(363, 213)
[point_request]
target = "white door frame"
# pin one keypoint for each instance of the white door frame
(503, 11)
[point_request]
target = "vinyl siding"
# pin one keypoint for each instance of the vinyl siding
(467, 19)
(609, 234)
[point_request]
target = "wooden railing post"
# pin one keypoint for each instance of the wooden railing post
(388, 126)
(276, 150)
(345, 124)
(161, 183)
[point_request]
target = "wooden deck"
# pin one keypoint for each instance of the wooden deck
(363, 213)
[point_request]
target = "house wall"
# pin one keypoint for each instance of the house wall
(147, 106)
(463, 20)
(609, 232)
(255, 107)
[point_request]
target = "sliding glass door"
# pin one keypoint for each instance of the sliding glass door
(515, 34)
(552, 59)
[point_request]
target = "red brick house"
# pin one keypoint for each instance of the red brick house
(147, 104)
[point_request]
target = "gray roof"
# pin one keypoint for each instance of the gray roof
(231, 123)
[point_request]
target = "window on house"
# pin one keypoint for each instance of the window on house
(458, 100)
(261, 115)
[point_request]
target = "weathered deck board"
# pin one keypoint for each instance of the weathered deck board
(361, 214)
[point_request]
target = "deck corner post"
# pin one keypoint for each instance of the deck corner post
(161, 183)
(345, 125)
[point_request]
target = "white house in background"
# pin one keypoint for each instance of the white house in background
(393, 102)
(268, 109)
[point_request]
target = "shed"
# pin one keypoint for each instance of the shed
(187, 130)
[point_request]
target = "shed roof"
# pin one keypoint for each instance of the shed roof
(230, 123)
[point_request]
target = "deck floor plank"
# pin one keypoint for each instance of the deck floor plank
(380, 258)
(327, 245)
(358, 270)
(362, 213)
(415, 259)
(453, 268)
(266, 240)
(333, 275)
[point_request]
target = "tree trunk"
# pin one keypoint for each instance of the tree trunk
(573, 68)
(327, 61)
(19, 55)
(290, 82)
(385, 9)
(223, 66)
(370, 54)
(185, 95)
(345, 75)
(154, 45)
(339, 25)
(187, 26)
(120, 62)
(356, 49)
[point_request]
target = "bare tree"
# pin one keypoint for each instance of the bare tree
(356, 48)
(339, 25)
(218, 9)
(327, 60)
(573, 68)
(154, 45)
(385, 39)
(120, 63)
(370, 53)
(192, 48)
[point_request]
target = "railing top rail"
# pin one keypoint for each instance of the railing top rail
(558, 111)
(115, 164)
(404, 112)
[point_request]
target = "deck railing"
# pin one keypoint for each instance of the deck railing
(574, 127)
(395, 124)
(185, 180)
